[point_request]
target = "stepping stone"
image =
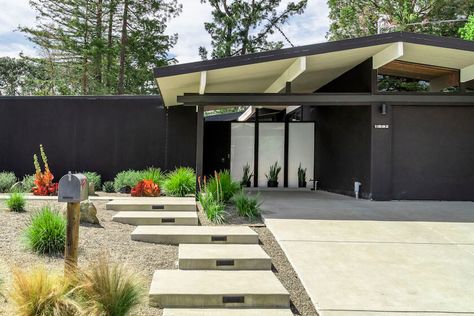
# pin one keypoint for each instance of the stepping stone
(226, 312)
(156, 218)
(195, 234)
(153, 204)
(223, 257)
(235, 289)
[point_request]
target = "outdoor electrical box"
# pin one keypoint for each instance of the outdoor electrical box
(73, 188)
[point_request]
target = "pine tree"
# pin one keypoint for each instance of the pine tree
(240, 27)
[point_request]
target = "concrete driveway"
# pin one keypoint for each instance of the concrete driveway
(359, 257)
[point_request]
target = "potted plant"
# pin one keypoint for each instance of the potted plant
(272, 176)
(247, 176)
(301, 177)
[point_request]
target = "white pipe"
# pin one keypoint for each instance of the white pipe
(357, 186)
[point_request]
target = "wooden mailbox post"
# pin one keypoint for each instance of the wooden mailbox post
(73, 188)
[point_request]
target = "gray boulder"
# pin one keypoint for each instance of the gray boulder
(88, 212)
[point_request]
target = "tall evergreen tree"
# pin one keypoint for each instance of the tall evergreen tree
(244, 26)
(355, 18)
(105, 46)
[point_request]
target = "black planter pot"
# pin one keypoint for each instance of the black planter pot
(301, 184)
(248, 184)
(272, 184)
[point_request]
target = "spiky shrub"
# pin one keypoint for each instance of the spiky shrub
(180, 182)
(109, 289)
(46, 232)
(28, 183)
(7, 179)
(93, 177)
(16, 202)
(108, 187)
(247, 175)
(127, 178)
(247, 205)
(153, 174)
(228, 187)
(38, 293)
(214, 209)
(274, 172)
(301, 174)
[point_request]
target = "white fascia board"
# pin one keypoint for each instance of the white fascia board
(391, 53)
(202, 82)
(467, 73)
(247, 114)
(290, 74)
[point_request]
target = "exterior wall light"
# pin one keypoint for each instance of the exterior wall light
(383, 109)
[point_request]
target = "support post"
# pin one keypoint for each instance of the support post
(285, 159)
(255, 150)
(72, 238)
(199, 141)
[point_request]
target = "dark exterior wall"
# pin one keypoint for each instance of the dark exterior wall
(433, 153)
(216, 147)
(103, 134)
(357, 80)
(343, 141)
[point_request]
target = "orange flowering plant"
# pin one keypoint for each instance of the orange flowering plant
(146, 188)
(43, 180)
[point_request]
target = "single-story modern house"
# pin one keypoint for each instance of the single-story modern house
(394, 112)
(338, 109)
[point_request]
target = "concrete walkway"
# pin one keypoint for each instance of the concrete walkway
(358, 257)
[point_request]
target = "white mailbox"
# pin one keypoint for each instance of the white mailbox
(73, 188)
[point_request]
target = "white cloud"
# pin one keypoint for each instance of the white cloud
(310, 27)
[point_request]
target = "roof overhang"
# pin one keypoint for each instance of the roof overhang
(311, 67)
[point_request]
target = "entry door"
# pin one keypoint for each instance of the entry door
(241, 148)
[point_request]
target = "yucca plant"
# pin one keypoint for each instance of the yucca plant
(16, 202)
(46, 232)
(247, 176)
(272, 176)
(301, 177)
(109, 289)
(248, 206)
(38, 293)
(180, 182)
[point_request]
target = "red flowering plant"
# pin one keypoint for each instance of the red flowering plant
(146, 188)
(43, 180)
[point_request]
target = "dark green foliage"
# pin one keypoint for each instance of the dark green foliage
(93, 177)
(351, 18)
(214, 209)
(227, 185)
(241, 27)
(153, 174)
(108, 187)
(247, 175)
(274, 172)
(180, 182)
(46, 232)
(16, 202)
(391, 84)
(7, 179)
(247, 205)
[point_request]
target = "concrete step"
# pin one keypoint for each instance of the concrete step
(153, 204)
(195, 234)
(204, 288)
(226, 312)
(156, 218)
(223, 257)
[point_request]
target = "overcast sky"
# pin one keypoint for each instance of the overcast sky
(311, 27)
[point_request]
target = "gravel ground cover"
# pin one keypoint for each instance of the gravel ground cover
(110, 238)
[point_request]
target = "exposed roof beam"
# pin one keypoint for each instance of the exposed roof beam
(202, 82)
(467, 73)
(324, 99)
(290, 74)
(394, 51)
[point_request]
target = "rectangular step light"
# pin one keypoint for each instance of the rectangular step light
(233, 299)
(221, 263)
(218, 238)
(157, 207)
(167, 220)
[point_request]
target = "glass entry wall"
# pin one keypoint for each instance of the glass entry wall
(300, 151)
(271, 149)
(242, 142)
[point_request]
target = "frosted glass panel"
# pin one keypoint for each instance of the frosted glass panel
(242, 143)
(300, 150)
(270, 149)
